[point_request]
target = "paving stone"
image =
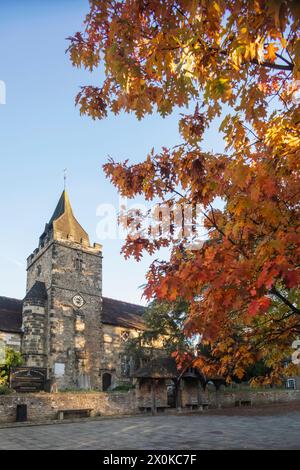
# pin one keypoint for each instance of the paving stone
(162, 433)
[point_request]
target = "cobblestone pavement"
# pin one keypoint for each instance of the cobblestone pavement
(161, 433)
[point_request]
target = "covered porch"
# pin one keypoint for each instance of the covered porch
(161, 387)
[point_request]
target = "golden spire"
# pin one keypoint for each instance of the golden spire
(64, 224)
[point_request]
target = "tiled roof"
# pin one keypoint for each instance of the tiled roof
(37, 292)
(158, 368)
(10, 315)
(115, 312)
(118, 313)
(166, 368)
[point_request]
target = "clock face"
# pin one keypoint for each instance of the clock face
(78, 301)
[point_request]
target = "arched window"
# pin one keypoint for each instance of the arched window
(126, 365)
(106, 381)
(78, 264)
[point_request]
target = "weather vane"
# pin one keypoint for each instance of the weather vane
(65, 178)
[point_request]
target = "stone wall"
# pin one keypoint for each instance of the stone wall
(113, 359)
(10, 340)
(71, 337)
(267, 397)
(45, 406)
(39, 266)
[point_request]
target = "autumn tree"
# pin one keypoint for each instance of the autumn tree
(238, 61)
(164, 332)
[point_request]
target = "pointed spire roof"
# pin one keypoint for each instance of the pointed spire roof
(64, 225)
(37, 292)
(62, 207)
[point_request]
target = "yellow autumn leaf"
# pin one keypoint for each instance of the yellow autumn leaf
(271, 52)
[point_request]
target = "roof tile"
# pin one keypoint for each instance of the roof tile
(10, 315)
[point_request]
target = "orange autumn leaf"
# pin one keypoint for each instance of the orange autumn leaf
(271, 52)
(158, 56)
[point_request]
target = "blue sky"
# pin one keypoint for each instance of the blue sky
(41, 133)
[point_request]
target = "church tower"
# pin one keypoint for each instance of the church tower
(62, 307)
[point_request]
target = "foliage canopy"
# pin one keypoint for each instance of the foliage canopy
(238, 61)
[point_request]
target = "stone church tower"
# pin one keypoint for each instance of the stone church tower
(62, 308)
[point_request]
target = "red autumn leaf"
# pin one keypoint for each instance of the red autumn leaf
(291, 279)
(259, 306)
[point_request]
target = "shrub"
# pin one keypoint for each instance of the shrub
(4, 390)
(12, 359)
(123, 388)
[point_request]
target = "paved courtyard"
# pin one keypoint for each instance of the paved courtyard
(217, 431)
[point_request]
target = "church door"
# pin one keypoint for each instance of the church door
(106, 382)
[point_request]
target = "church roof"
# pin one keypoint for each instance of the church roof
(115, 312)
(10, 315)
(118, 313)
(64, 225)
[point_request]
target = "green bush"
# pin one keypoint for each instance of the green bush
(78, 390)
(4, 390)
(12, 359)
(123, 388)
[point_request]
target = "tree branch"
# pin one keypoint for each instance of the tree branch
(286, 301)
(284, 59)
(271, 65)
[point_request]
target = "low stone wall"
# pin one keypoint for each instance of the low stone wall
(45, 406)
(267, 397)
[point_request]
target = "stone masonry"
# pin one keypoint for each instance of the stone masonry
(45, 406)
(59, 334)
(64, 323)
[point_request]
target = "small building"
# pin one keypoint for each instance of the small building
(160, 385)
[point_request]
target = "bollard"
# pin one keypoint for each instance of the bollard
(21, 413)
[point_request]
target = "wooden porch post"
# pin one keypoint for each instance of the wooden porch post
(153, 392)
(178, 395)
(199, 393)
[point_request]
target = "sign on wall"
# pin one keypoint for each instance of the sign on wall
(59, 370)
(28, 379)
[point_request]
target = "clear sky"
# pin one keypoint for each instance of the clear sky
(41, 133)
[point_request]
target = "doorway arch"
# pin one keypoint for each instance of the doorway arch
(106, 381)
